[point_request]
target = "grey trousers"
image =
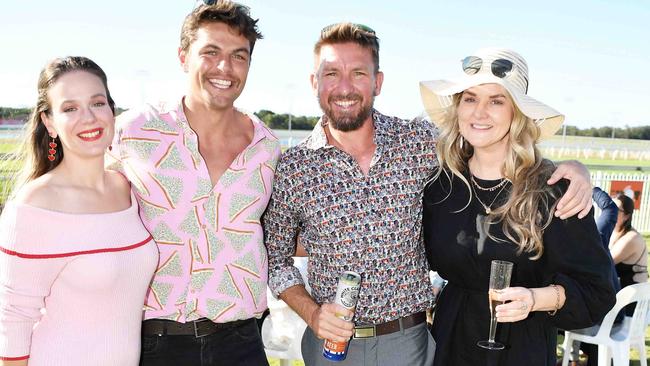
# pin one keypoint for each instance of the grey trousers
(410, 347)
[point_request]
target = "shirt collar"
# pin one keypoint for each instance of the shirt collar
(260, 130)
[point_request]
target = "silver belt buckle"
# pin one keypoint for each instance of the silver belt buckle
(364, 331)
(196, 329)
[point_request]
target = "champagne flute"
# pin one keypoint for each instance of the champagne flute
(500, 272)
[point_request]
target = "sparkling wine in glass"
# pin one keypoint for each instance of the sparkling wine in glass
(500, 272)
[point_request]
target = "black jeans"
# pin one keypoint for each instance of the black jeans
(239, 346)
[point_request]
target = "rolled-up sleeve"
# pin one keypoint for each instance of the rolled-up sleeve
(281, 223)
(24, 285)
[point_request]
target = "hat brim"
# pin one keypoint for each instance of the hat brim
(437, 97)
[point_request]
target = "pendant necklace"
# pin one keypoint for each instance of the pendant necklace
(487, 208)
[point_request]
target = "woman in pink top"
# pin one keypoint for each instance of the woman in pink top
(75, 260)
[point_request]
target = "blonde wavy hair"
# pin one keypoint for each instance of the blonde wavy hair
(527, 212)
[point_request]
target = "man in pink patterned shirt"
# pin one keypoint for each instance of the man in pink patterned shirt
(202, 172)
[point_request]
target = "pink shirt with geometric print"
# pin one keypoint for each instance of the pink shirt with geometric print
(213, 261)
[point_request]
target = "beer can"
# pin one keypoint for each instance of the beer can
(347, 294)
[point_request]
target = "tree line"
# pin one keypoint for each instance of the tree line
(23, 113)
(281, 122)
(634, 133)
(15, 113)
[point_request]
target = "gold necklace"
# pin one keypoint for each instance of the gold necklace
(488, 189)
(487, 208)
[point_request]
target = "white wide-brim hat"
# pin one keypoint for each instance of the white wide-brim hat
(437, 95)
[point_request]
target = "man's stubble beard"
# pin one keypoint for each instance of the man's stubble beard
(347, 122)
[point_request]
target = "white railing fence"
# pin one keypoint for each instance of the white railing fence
(641, 217)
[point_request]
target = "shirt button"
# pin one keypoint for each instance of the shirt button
(204, 226)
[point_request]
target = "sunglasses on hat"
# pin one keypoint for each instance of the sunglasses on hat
(500, 67)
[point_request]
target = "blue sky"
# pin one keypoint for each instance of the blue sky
(588, 59)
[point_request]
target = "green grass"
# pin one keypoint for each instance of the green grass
(7, 147)
(599, 151)
(595, 141)
(9, 166)
(617, 162)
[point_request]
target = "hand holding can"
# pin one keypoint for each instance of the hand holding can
(347, 295)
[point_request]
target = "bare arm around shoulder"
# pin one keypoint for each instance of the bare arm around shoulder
(577, 199)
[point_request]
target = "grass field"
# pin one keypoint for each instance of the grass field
(597, 141)
(599, 151)
(7, 147)
(634, 163)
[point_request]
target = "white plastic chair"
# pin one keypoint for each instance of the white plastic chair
(292, 350)
(282, 330)
(615, 345)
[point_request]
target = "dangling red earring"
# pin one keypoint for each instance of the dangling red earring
(52, 150)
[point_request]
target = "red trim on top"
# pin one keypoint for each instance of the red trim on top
(62, 255)
(14, 358)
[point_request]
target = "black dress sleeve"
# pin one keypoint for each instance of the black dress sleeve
(578, 262)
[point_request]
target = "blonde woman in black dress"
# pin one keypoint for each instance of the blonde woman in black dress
(490, 201)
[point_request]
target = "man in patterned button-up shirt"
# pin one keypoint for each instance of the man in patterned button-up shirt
(351, 193)
(202, 172)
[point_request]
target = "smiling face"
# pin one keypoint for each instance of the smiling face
(79, 114)
(485, 113)
(217, 64)
(346, 84)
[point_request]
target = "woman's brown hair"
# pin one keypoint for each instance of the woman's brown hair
(33, 150)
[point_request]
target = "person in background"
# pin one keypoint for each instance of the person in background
(489, 201)
(75, 259)
(203, 170)
(605, 223)
(628, 248)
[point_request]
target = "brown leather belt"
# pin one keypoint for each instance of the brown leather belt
(369, 331)
(198, 328)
